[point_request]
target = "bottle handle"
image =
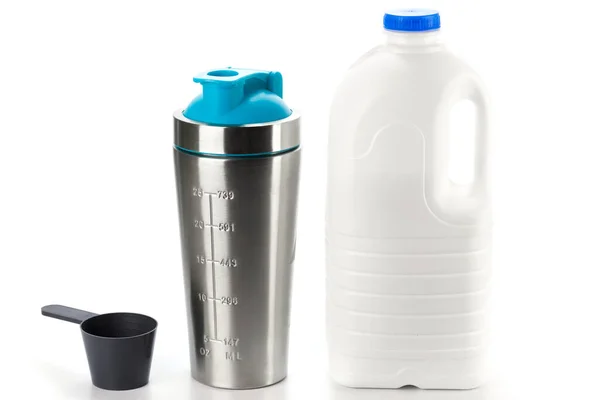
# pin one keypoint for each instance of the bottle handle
(482, 137)
(456, 203)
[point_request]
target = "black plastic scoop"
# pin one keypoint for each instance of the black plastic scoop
(119, 345)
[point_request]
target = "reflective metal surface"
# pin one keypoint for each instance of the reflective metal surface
(238, 234)
(250, 139)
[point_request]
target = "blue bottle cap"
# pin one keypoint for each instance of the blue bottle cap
(411, 20)
(235, 96)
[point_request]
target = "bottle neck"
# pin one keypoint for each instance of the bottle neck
(429, 40)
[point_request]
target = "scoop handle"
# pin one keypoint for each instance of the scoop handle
(66, 313)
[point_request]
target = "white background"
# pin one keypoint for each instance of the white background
(88, 212)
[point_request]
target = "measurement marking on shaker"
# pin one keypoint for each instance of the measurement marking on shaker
(231, 341)
(233, 356)
(225, 300)
(212, 255)
(227, 341)
(228, 262)
(204, 352)
(221, 226)
(221, 194)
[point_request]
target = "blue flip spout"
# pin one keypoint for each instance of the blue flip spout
(235, 96)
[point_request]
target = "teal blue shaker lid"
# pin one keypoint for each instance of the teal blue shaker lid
(235, 96)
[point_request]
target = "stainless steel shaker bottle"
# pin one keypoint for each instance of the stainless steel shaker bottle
(237, 159)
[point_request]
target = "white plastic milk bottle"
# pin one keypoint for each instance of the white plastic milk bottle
(408, 250)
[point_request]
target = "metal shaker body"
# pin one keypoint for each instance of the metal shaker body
(237, 193)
